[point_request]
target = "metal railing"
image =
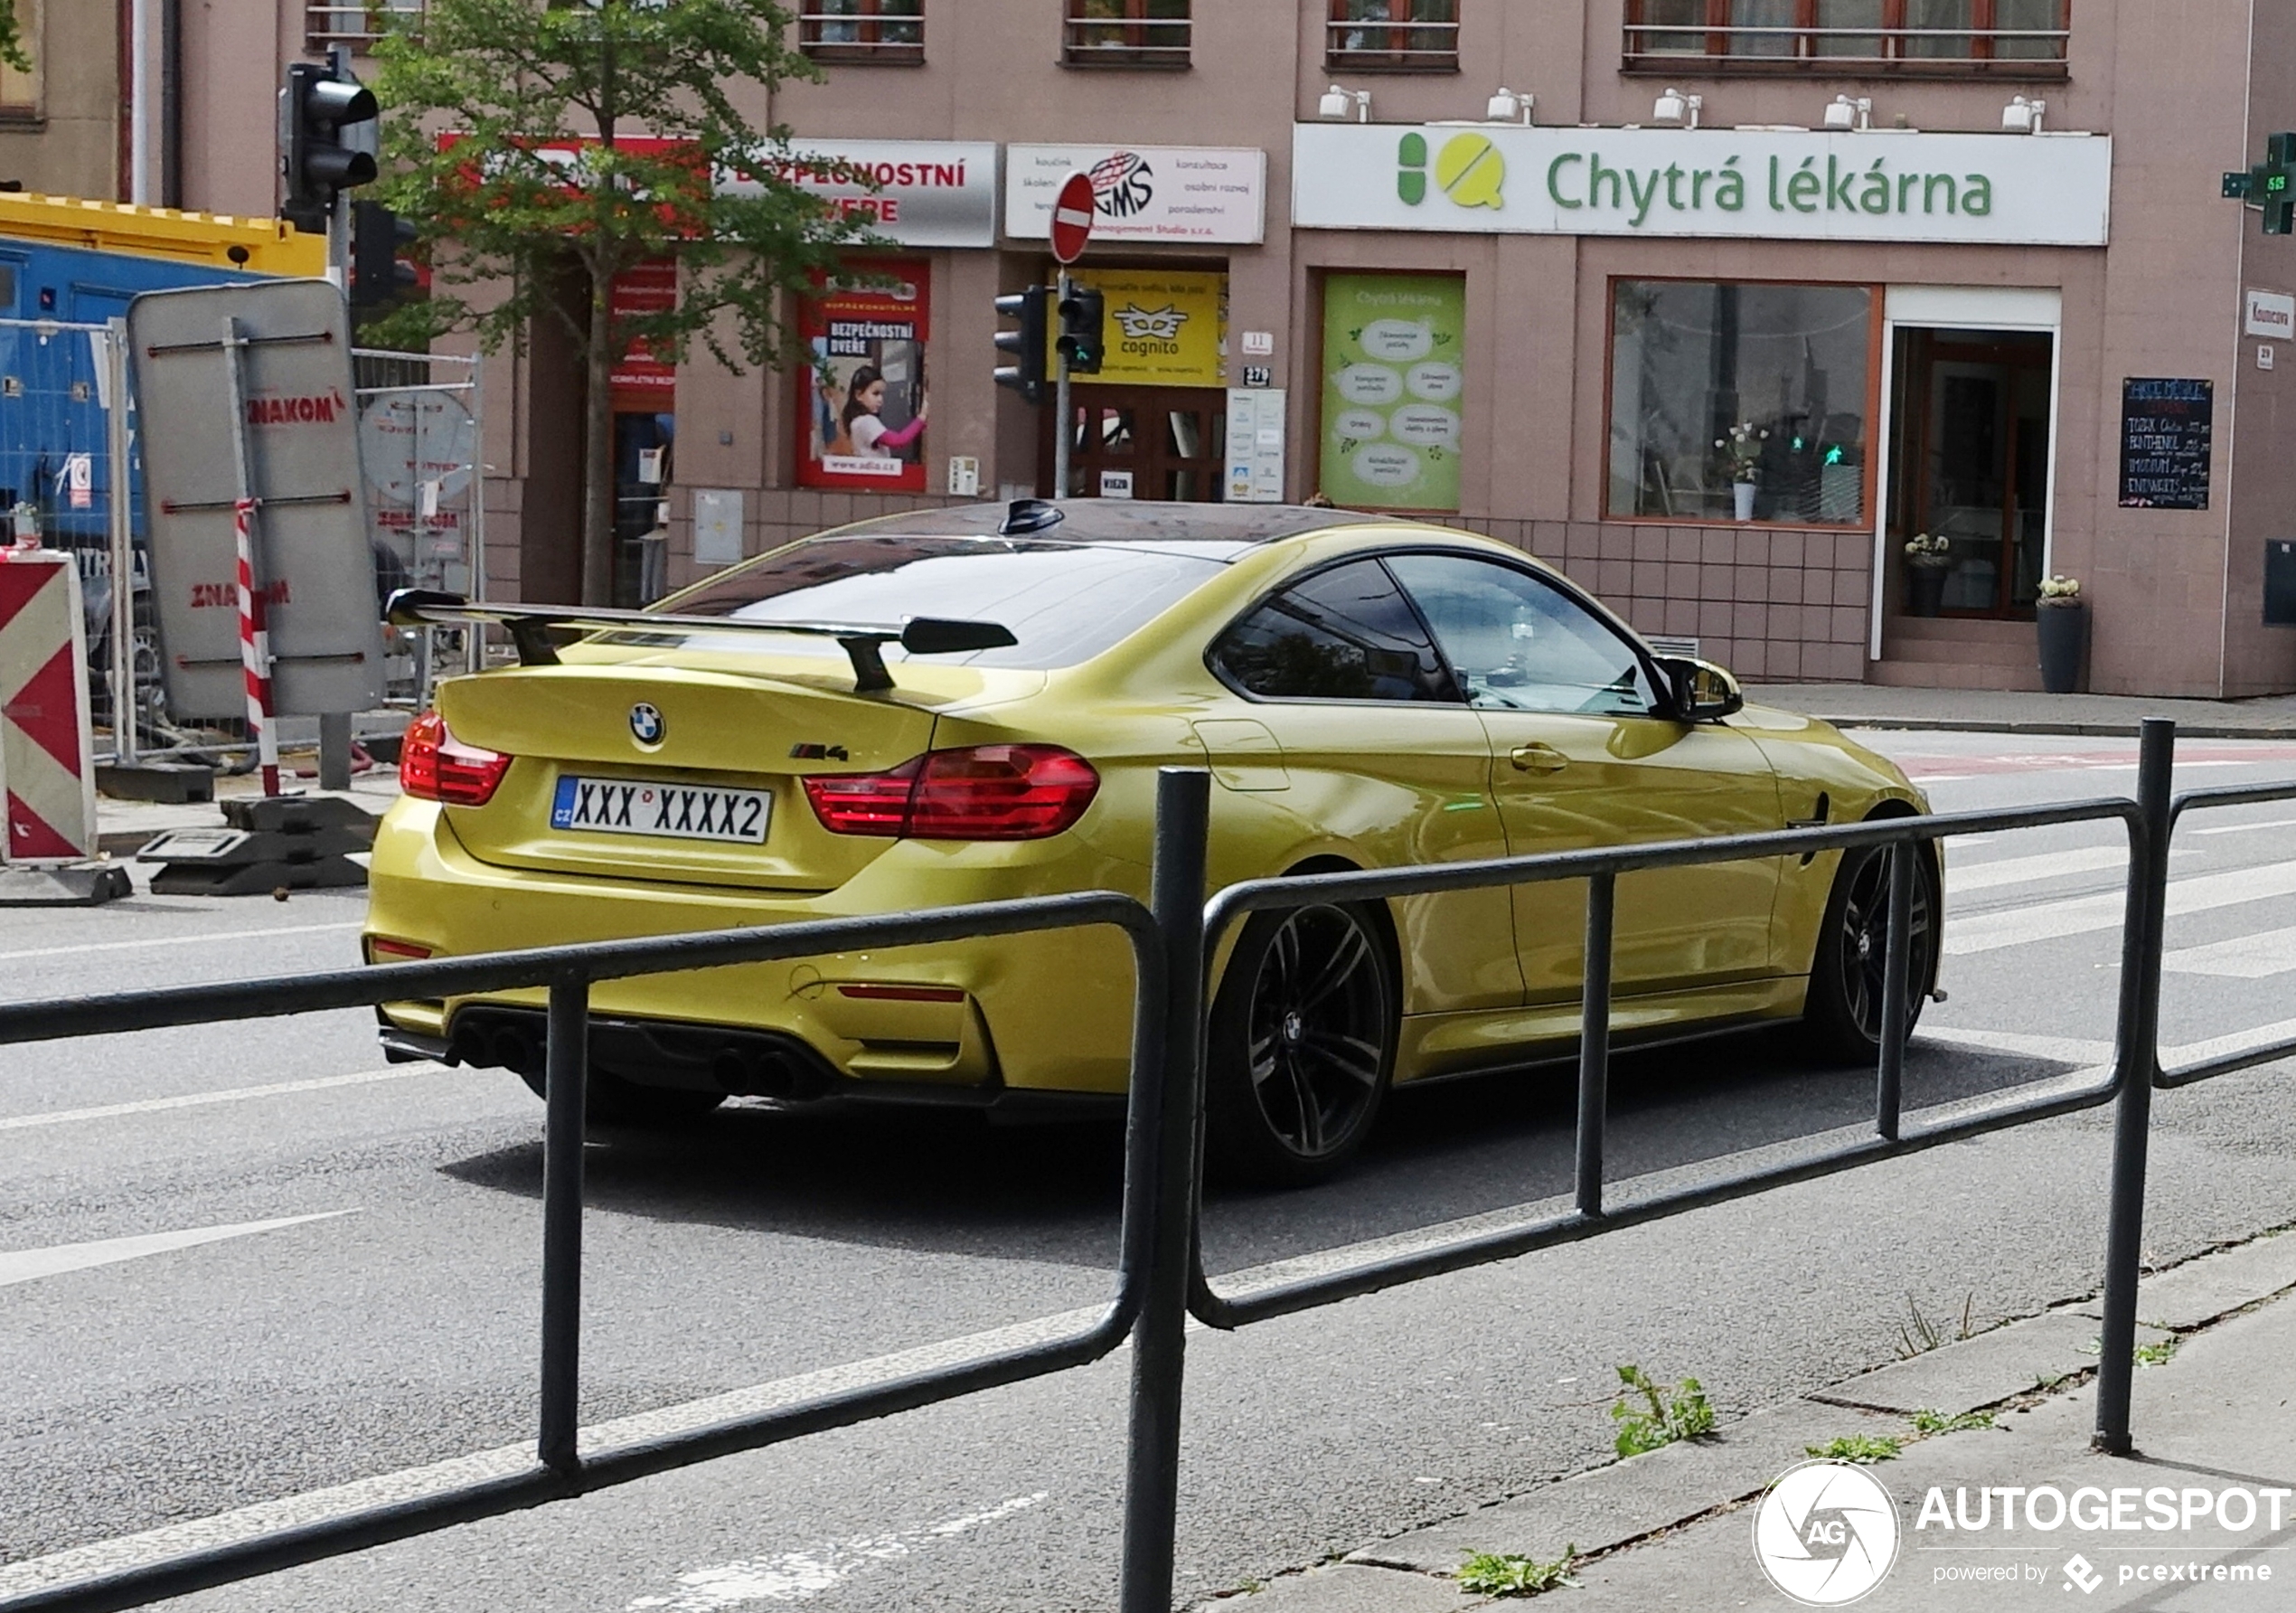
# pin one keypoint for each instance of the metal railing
(358, 24)
(1160, 1279)
(1137, 34)
(1404, 44)
(1684, 45)
(879, 31)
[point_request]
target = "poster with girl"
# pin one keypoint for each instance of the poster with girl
(863, 401)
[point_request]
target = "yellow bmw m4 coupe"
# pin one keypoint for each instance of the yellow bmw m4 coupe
(970, 703)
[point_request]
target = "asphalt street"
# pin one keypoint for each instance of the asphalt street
(247, 1263)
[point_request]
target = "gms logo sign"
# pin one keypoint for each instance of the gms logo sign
(1122, 183)
(1468, 169)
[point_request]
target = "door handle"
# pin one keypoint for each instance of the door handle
(1538, 759)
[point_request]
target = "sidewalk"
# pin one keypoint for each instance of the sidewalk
(1675, 1528)
(1993, 710)
(122, 827)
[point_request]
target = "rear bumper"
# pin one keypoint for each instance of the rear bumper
(812, 1082)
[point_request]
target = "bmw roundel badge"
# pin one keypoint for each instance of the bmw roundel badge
(647, 725)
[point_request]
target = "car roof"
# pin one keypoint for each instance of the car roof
(1118, 521)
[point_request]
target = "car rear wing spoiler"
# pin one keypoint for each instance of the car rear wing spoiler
(530, 626)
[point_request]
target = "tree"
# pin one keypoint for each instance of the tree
(526, 138)
(12, 46)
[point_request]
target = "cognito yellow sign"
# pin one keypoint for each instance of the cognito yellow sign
(1162, 329)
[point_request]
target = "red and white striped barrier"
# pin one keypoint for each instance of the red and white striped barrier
(255, 652)
(46, 751)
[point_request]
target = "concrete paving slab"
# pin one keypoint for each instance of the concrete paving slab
(2199, 1291)
(1346, 1588)
(1598, 1510)
(1983, 1371)
(1997, 711)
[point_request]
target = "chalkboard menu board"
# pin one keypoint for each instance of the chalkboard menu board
(2165, 429)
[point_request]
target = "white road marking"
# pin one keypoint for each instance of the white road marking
(2053, 920)
(2270, 822)
(1962, 879)
(210, 938)
(23, 1265)
(2242, 957)
(800, 1576)
(149, 1106)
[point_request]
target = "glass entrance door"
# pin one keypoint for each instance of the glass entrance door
(1166, 442)
(1971, 417)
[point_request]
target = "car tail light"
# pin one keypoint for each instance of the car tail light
(435, 766)
(983, 792)
(381, 949)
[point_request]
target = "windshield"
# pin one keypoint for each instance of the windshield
(1063, 602)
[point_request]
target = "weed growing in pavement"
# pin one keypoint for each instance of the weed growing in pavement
(2154, 1354)
(1927, 1422)
(1503, 1573)
(1862, 1448)
(1917, 1335)
(1667, 1413)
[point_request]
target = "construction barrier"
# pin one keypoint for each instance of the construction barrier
(47, 754)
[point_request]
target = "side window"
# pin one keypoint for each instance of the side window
(1518, 642)
(1344, 634)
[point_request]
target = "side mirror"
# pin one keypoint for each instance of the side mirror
(1703, 692)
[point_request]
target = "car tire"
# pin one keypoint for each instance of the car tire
(612, 1100)
(1841, 1018)
(1301, 1046)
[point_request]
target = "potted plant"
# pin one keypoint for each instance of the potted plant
(1744, 444)
(2063, 618)
(1927, 559)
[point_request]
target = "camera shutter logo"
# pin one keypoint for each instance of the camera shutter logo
(646, 725)
(1826, 1534)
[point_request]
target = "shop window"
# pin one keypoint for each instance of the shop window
(1393, 35)
(1126, 34)
(2023, 38)
(1394, 377)
(20, 92)
(357, 25)
(886, 32)
(1745, 402)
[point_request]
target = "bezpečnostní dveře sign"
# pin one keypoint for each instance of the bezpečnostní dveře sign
(2020, 190)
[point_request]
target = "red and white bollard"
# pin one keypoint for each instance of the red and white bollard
(255, 652)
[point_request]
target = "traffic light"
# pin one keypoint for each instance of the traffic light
(1081, 344)
(1026, 345)
(379, 275)
(320, 146)
(2271, 185)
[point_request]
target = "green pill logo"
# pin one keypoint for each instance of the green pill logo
(1411, 169)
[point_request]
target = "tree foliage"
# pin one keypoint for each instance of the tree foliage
(12, 46)
(525, 137)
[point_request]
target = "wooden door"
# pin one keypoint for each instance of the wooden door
(1164, 442)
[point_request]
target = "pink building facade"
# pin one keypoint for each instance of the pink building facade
(1717, 304)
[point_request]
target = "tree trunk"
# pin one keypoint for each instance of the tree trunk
(598, 447)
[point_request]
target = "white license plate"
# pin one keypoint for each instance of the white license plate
(641, 807)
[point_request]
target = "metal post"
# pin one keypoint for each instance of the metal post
(120, 679)
(1897, 989)
(255, 642)
(1066, 429)
(1594, 1041)
(2135, 1064)
(566, 1064)
(1152, 1479)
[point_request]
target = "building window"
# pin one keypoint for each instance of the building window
(20, 92)
(1718, 387)
(2023, 38)
(886, 32)
(357, 25)
(1126, 34)
(1393, 35)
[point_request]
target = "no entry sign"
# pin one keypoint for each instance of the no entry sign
(1072, 217)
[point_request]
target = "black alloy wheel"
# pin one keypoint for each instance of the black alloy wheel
(1846, 980)
(1302, 1044)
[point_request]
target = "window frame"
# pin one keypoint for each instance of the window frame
(31, 27)
(1876, 311)
(1983, 33)
(1561, 584)
(321, 22)
(1400, 58)
(1137, 52)
(870, 48)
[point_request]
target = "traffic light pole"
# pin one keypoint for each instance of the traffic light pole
(1063, 420)
(334, 727)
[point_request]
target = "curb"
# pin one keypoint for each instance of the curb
(2100, 731)
(1624, 1504)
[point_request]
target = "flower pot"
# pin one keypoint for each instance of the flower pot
(1742, 500)
(1924, 589)
(2064, 632)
